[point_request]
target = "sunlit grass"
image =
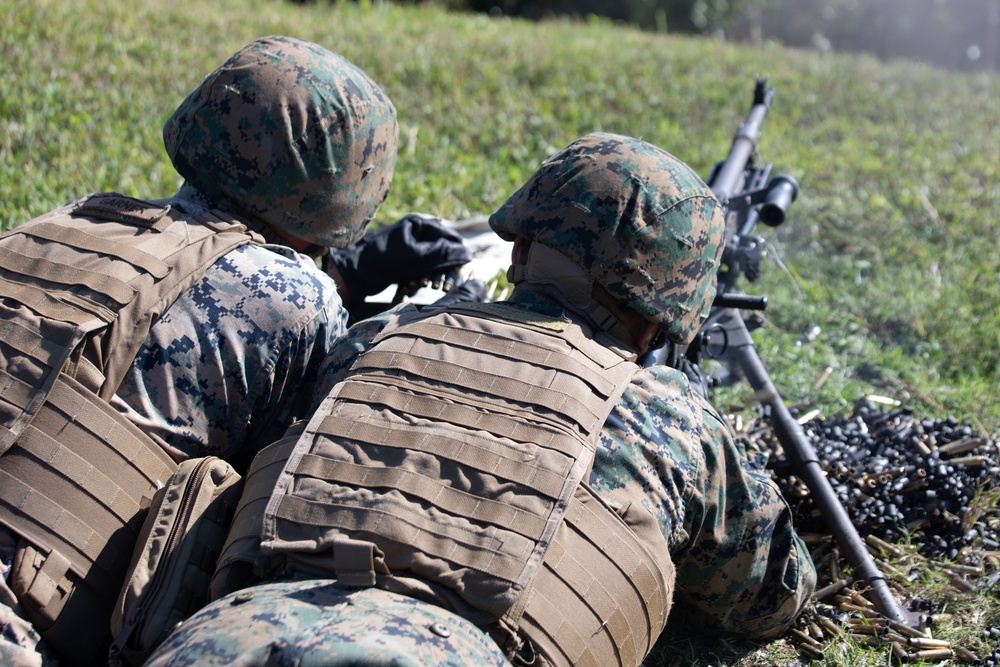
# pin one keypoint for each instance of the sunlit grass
(892, 249)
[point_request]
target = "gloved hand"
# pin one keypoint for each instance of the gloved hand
(472, 290)
(406, 251)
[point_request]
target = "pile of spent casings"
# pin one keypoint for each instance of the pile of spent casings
(931, 483)
(922, 493)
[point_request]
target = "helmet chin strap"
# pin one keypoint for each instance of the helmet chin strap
(548, 271)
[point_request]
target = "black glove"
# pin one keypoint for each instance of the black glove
(472, 290)
(406, 251)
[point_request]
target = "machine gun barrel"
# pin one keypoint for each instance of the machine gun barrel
(728, 179)
(749, 195)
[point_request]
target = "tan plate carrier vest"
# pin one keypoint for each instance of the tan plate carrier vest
(457, 454)
(79, 290)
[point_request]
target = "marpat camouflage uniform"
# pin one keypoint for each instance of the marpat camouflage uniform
(231, 363)
(297, 142)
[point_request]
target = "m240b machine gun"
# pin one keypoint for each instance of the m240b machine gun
(750, 195)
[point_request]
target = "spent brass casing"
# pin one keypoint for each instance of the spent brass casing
(960, 446)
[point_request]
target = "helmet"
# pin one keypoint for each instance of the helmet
(639, 221)
(291, 134)
(322, 622)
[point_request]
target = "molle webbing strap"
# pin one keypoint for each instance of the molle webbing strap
(32, 351)
(450, 449)
(558, 382)
(509, 424)
(449, 499)
(558, 397)
(80, 239)
(601, 597)
(572, 335)
(87, 315)
(107, 288)
(553, 356)
(77, 479)
(472, 449)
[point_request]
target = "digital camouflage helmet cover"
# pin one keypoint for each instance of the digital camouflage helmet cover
(637, 219)
(291, 134)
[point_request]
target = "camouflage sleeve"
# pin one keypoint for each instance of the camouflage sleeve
(649, 449)
(740, 566)
(744, 569)
(234, 360)
(349, 347)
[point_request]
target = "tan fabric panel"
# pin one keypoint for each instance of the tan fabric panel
(556, 357)
(460, 545)
(78, 294)
(421, 486)
(73, 486)
(81, 239)
(453, 500)
(26, 340)
(607, 578)
(75, 411)
(506, 385)
(473, 450)
(65, 308)
(16, 393)
(512, 377)
(547, 430)
(65, 468)
(32, 350)
(430, 472)
(605, 355)
(57, 272)
(77, 476)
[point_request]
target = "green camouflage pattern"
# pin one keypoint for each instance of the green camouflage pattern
(291, 134)
(309, 623)
(637, 219)
(741, 568)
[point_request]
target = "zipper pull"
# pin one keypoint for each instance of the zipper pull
(121, 639)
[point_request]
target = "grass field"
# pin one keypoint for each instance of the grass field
(892, 249)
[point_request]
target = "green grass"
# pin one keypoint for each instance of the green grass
(893, 248)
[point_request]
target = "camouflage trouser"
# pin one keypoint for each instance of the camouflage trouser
(20, 645)
(308, 623)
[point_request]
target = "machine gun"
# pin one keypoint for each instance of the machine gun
(749, 195)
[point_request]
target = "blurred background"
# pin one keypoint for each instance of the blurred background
(954, 34)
